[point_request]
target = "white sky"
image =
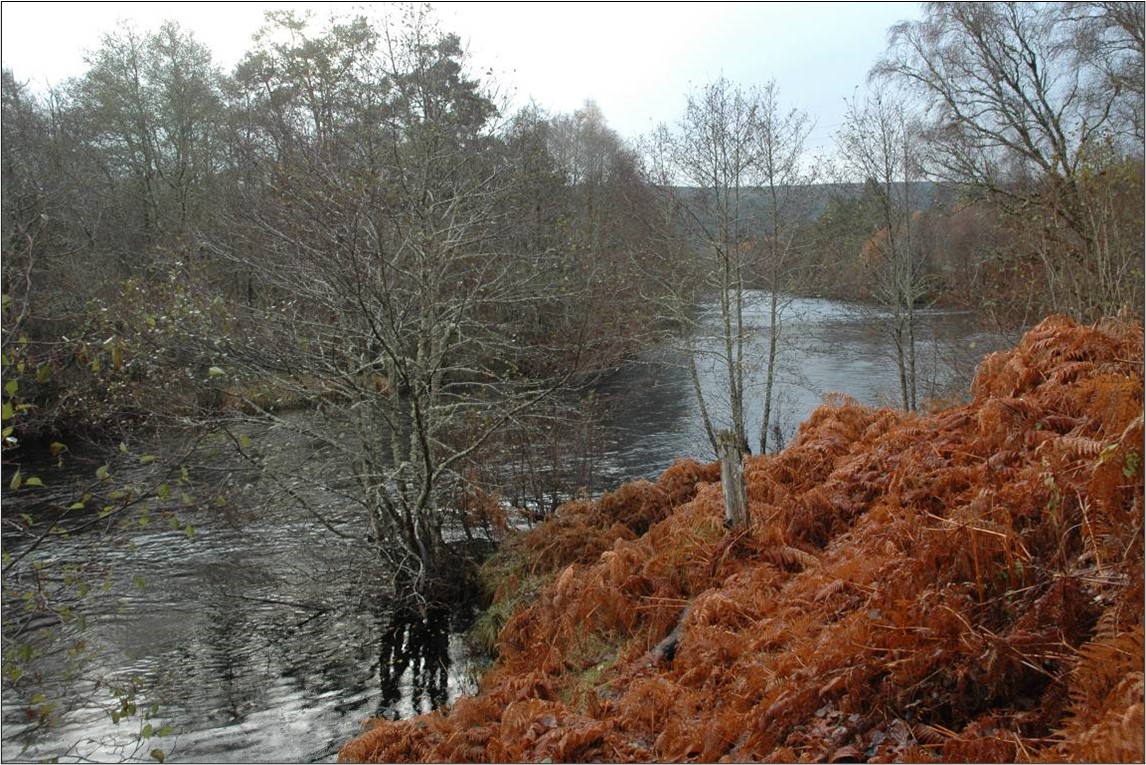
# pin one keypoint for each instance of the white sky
(637, 60)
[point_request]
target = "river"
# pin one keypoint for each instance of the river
(826, 347)
(262, 637)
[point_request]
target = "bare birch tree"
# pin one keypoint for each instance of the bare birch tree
(879, 143)
(392, 300)
(784, 174)
(712, 152)
(734, 173)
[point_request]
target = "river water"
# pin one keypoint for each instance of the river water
(264, 638)
(826, 347)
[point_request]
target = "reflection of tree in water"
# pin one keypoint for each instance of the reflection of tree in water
(233, 684)
(420, 643)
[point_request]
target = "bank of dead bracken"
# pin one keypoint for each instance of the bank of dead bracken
(965, 585)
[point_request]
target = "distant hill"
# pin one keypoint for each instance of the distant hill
(926, 195)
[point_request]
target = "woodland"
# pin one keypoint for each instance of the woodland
(352, 224)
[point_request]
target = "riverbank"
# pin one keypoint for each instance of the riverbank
(966, 585)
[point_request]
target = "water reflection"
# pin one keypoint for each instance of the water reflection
(419, 645)
(236, 687)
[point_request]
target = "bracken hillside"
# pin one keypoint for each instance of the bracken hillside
(961, 586)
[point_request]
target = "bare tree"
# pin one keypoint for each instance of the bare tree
(734, 177)
(150, 103)
(880, 144)
(393, 299)
(784, 174)
(713, 153)
(1106, 41)
(1028, 102)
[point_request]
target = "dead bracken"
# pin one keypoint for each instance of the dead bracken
(960, 586)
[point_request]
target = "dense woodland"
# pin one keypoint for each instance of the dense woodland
(353, 222)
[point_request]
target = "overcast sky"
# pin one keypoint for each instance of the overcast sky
(637, 60)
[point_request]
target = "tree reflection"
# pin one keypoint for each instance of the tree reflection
(419, 643)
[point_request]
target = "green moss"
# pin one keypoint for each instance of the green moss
(509, 586)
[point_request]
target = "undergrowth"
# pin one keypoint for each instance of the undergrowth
(961, 586)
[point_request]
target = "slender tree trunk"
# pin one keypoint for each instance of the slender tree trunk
(770, 373)
(738, 409)
(731, 343)
(694, 375)
(901, 361)
(911, 371)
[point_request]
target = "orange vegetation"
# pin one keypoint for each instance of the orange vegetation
(962, 586)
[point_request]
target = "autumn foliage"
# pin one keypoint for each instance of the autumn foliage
(961, 586)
